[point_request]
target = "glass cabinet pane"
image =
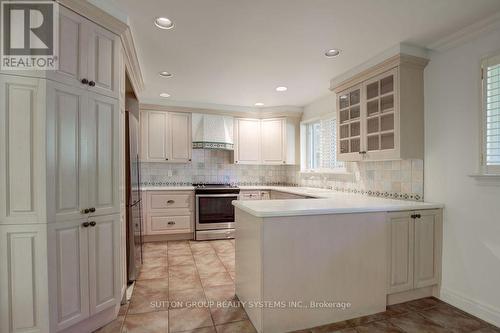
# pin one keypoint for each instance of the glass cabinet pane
(372, 90)
(387, 122)
(344, 146)
(343, 101)
(372, 125)
(355, 129)
(354, 112)
(344, 116)
(387, 85)
(387, 103)
(355, 145)
(373, 142)
(344, 131)
(355, 97)
(387, 141)
(372, 107)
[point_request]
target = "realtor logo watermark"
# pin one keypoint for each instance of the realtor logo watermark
(30, 35)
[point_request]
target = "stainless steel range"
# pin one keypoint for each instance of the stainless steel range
(214, 211)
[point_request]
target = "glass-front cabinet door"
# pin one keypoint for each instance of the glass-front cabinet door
(350, 124)
(380, 104)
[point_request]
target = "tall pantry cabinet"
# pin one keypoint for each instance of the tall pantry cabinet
(60, 178)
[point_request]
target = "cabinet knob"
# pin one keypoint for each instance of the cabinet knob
(93, 223)
(85, 224)
(171, 222)
(362, 152)
(85, 211)
(170, 201)
(92, 210)
(235, 161)
(416, 216)
(189, 160)
(84, 81)
(166, 159)
(91, 83)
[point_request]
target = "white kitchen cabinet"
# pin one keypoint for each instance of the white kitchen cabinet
(181, 138)
(87, 52)
(380, 112)
(166, 137)
(69, 283)
(168, 212)
(428, 247)
(400, 252)
(82, 131)
(247, 133)
(264, 141)
(414, 250)
(84, 255)
(273, 141)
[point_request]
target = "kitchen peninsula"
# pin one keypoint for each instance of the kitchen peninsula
(303, 263)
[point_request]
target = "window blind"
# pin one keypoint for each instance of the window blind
(329, 144)
(492, 116)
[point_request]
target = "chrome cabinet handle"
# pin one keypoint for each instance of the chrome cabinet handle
(171, 222)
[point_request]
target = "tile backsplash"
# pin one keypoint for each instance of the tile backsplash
(391, 179)
(216, 166)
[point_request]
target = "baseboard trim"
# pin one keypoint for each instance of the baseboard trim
(485, 312)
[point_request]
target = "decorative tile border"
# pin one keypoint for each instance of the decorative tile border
(212, 145)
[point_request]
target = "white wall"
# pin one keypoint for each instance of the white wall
(471, 250)
(320, 107)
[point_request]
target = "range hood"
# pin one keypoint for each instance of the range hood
(212, 131)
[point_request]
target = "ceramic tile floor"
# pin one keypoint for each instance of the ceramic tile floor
(181, 282)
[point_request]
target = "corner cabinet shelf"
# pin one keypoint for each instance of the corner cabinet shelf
(381, 112)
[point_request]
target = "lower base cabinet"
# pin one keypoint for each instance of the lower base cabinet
(84, 268)
(168, 212)
(414, 249)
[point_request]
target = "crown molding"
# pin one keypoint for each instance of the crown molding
(120, 28)
(470, 32)
(392, 62)
(257, 113)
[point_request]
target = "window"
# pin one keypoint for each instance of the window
(320, 146)
(491, 115)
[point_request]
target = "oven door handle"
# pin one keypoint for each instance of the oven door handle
(217, 195)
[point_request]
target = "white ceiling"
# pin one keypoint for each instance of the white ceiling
(235, 52)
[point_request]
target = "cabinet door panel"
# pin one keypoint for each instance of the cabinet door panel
(180, 131)
(22, 149)
(68, 259)
(248, 141)
(273, 141)
(102, 154)
(427, 248)
(156, 136)
(66, 151)
(72, 49)
(102, 52)
(400, 252)
(104, 263)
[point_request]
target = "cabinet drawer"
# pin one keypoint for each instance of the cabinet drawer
(166, 201)
(249, 195)
(162, 224)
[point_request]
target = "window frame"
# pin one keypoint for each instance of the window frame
(484, 168)
(304, 148)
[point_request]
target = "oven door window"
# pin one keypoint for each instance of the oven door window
(215, 209)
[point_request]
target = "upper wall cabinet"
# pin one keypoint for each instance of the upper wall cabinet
(381, 112)
(264, 141)
(87, 55)
(165, 137)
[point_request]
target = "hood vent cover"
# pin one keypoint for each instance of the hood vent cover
(212, 131)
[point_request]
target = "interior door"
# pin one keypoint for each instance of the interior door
(104, 262)
(273, 141)
(427, 248)
(248, 141)
(68, 257)
(101, 159)
(181, 140)
(66, 150)
(102, 50)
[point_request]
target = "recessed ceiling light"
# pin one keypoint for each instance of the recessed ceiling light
(281, 88)
(332, 53)
(164, 23)
(164, 95)
(166, 74)
(259, 104)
